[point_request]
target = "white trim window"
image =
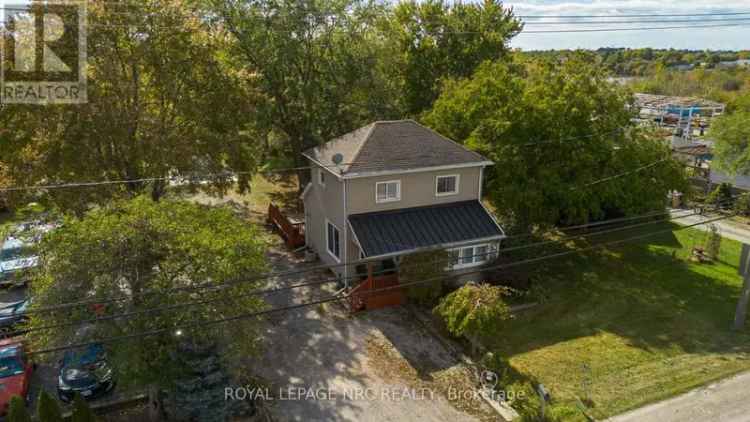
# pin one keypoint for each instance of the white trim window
(322, 177)
(389, 191)
(333, 240)
(446, 185)
(474, 255)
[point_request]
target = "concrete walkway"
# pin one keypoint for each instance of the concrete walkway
(728, 229)
(724, 401)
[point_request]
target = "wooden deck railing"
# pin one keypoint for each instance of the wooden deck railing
(366, 295)
(292, 232)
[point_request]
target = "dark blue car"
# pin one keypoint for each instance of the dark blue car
(86, 372)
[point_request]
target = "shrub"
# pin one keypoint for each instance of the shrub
(713, 243)
(47, 408)
(742, 204)
(721, 196)
(17, 411)
(81, 410)
(420, 266)
(475, 311)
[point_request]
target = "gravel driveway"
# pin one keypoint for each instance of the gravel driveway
(323, 365)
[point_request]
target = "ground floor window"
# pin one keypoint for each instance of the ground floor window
(474, 255)
(333, 240)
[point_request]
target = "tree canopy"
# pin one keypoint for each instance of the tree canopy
(438, 39)
(732, 147)
(553, 128)
(149, 255)
(153, 73)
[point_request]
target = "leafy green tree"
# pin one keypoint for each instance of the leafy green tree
(162, 101)
(439, 39)
(475, 311)
(48, 410)
(17, 411)
(81, 410)
(554, 128)
(152, 255)
(732, 135)
(315, 65)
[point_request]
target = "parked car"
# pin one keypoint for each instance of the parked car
(15, 372)
(17, 257)
(86, 372)
(12, 315)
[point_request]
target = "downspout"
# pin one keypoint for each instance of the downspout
(346, 239)
(481, 180)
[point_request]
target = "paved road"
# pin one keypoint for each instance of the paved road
(730, 230)
(725, 401)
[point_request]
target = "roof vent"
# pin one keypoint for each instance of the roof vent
(337, 158)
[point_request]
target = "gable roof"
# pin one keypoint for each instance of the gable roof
(388, 146)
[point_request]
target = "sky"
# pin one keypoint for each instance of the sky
(727, 38)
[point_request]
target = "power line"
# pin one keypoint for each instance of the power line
(627, 173)
(632, 15)
(635, 22)
(562, 31)
(370, 292)
(283, 274)
(277, 290)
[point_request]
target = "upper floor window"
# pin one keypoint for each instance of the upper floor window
(388, 191)
(446, 185)
(321, 177)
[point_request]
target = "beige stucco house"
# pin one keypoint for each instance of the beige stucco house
(395, 187)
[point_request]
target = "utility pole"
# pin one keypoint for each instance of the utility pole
(744, 270)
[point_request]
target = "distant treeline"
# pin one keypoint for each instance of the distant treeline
(646, 61)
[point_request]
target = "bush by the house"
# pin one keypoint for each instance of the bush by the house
(430, 265)
(475, 311)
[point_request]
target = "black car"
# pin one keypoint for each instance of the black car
(86, 372)
(12, 315)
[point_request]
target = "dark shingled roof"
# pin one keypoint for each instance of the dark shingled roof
(393, 145)
(388, 232)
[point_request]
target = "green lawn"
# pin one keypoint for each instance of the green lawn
(648, 324)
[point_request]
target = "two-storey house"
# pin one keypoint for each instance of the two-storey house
(393, 188)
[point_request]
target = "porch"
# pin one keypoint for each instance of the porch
(466, 229)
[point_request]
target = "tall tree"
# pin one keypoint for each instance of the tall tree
(315, 63)
(732, 134)
(161, 102)
(439, 39)
(553, 128)
(150, 255)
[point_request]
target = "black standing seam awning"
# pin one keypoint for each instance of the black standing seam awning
(402, 230)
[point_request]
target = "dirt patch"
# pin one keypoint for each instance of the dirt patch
(454, 383)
